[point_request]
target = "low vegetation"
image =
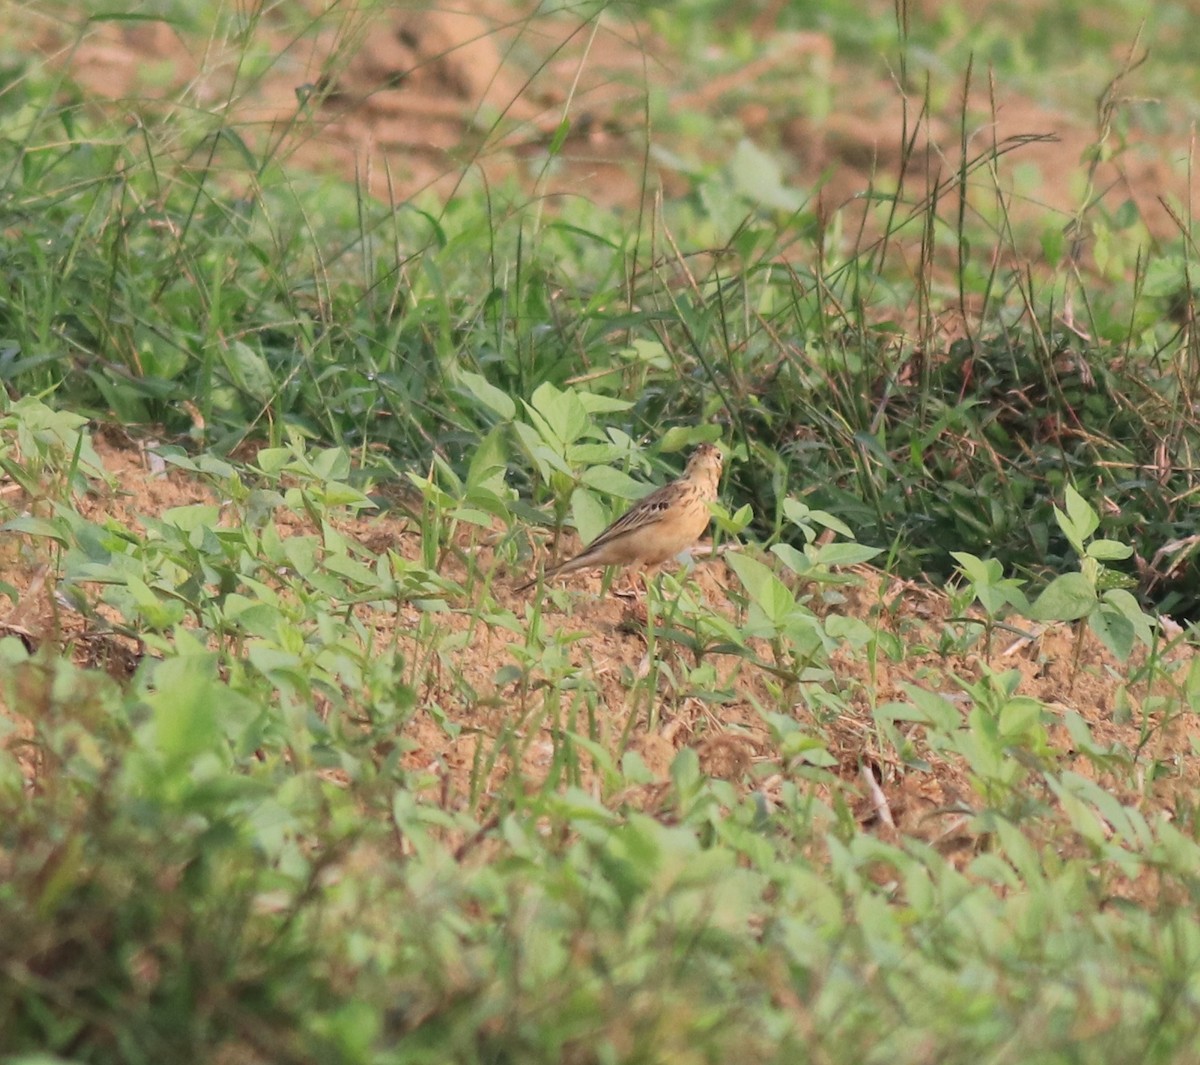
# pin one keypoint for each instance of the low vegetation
(902, 771)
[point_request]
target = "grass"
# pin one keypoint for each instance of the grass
(288, 774)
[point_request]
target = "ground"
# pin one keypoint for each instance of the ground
(409, 102)
(417, 100)
(1070, 675)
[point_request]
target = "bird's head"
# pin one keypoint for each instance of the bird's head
(706, 460)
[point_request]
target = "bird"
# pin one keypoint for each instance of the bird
(658, 526)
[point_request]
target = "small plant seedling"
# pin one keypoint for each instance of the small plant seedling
(1094, 592)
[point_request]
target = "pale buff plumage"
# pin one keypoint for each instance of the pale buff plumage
(657, 527)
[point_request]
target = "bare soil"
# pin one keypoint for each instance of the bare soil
(1067, 673)
(409, 101)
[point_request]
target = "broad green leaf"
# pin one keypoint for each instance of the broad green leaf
(841, 554)
(193, 516)
(337, 494)
(978, 570)
(577, 805)
(1114, 630)
(491, 397)
(653, 354)
(272, 460)
(351, 568)
(1018, 715)
(848, 630)
(249, 370)
(683, 437)
(931, 707)
(596, 403)
(1066, 598)
(33, 526)
(1079, 522)
(766, 591)
(808, 748)
(560, 416)
(634, 769)
(1108, 550)
(328, 463)
(759, 177)
(251, 615)
(1124, 603)
(795, 560)
(592, 453)
(489, 463)
(184, 705)
(685, 773)
(615, 482)
(589, 516)
(800, 514)
(158, 612)
(301, 553)
(736, 522)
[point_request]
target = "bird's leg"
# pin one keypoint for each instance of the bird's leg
(638, 585)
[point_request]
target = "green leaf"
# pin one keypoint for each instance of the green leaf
(272, 460)
(685, 773)
(491, 397)
(192, 516)
(1080, 520)
(795, 560)
(337, 494)
(351, 569)
(1066, 598)
(615, 482)
(759, 178)
(1053, 243)
(329, 463)
(930, 707)
(978, 570)
(249, 370)
(596, 403)
(737, 521)
(577, 805)
(679, 437)
(766, 591)
(31, 526)
(800, 515)
(1114, 630)
(655, 355)
(301, 553)
(634, 769)
(560, 136)
(1124, 603)
(559, 417)
(840, 554)
(158, 612)
(1019, 715)
(589, 516)
(184, 707)
(1108, 550)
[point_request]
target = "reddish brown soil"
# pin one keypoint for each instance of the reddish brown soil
(731, 738)
(416, 100)
(420, 102)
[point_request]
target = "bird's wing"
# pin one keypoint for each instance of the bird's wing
(646, 511)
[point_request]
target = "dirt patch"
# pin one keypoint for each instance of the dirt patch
(408, 101)
(926, 793)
